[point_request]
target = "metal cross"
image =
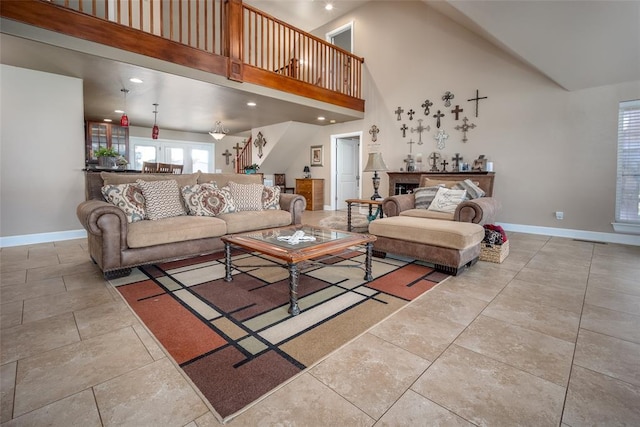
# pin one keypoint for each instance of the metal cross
(420, 129)
(444, 165)
(447, 97)
(477, 98)
(260, 142)
(441, 137)
(411, 113)
(374, 133)
(437, 117)
(434, 158)
(227, 154)
(465, 128)
(411, 142)
(426, 106)
(238, 147)
(456, 162)
(399, 111)
(404, 130)
(457, 111)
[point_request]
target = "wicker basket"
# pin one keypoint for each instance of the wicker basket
(495, 253)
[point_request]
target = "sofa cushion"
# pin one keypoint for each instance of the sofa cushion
(142, 234)
(473, 191)
(426, 213)
(425, 181)
(271, 197)
(424, 196)
(128, 178)
(239, 222)
(208, 200)
(162, 199)
(447, 200)
(247, 197)
(223, 179)
(127, 197)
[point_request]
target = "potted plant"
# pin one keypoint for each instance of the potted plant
(249, 169)
(107, 156)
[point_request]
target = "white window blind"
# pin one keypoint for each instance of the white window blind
(628, 180)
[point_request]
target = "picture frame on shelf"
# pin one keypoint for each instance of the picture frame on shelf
(317, 155)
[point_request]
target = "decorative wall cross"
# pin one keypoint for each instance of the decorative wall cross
(410, 145)
(444, 165)
(420, 129)
(457, 111)
(441, 137)
(411, 113)
(477, 98)
(447, 97)
(374, 133)
(437, 117)
(434, 158)
(238, 147)
(426, 106)
(399, 111)
(404, 130)
(465, 128)
(260, 142)
(456, 162)
(227, 154)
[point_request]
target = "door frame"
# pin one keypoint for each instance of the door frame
(334, 164)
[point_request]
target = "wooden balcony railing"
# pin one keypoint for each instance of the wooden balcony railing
(224, 37)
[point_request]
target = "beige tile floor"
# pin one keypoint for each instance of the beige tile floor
(549, 337)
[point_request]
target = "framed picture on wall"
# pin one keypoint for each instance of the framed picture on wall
(317, 155)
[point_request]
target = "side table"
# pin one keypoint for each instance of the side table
(370, 203)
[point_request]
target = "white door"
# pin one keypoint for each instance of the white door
(347, 170)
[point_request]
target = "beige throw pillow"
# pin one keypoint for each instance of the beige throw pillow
(447, 200)
(208, 200)
(162, 199)
(247, 197)
(127, 197)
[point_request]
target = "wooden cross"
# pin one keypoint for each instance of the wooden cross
(410, 145)
(426, 106)
(457, 111)
(404, 130)
(437, 117)
(465, 128)
(444, 165)
(456, 162)
(260, 142)
(434, 158)
(441, 137)
(238, 147)
(399, 111)
(227, 154)
(411, 113)
(447, 97)
(420, 129)
(477, 98)
(374, 133)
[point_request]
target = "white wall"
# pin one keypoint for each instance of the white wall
(41, 153)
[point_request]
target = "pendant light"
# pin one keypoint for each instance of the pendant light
(124, 120)
(156, 130)
(218, 131)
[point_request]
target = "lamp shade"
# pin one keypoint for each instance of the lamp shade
(306, 169)
(375, 163)
(218, 131)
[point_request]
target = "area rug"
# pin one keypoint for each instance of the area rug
(235, 340)
(359, 222)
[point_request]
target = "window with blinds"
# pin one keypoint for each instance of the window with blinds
(628, 179)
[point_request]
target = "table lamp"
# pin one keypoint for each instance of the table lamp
(375, 164)
(307, 172)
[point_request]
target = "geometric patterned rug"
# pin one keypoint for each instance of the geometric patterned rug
(236, 342)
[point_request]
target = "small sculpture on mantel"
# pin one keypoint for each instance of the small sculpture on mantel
(456, 162)
(434, 158)
(480, 163)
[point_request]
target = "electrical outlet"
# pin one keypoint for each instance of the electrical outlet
(559, 215)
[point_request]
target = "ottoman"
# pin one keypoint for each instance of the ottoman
(450, 246)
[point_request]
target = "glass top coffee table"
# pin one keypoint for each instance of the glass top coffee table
(316, 244)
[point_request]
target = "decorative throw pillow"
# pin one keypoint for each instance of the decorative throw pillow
(447, 200)
(473, 191)
(208, 200)
(162, 198)
(424, 196)
(247, 197)
(271, 198)
(127, 197)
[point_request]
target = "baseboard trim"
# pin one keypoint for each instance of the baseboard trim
(624, 239)
(33, 239)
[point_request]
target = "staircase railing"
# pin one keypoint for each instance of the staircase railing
(244, 157)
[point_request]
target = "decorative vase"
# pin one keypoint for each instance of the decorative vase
(107, 162)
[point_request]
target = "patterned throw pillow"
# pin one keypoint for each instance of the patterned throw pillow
(248, 197)
(424, 196)
(447, 200)
(208, 200)
(473, 191)
(162, 198)
(271, 198)
(127, 197)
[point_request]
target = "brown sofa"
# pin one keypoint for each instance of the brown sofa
(116, 245)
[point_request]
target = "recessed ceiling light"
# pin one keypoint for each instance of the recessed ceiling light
(107, 120)
(328, 6)
(135, 80)
(321, 118)
(251, 104)
(118, 111)
(332, 121)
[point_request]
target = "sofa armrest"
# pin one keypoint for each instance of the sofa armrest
(295, 204)
(97, 216)
(479, 211)
(392, 206)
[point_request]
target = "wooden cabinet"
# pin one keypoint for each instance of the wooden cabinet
(99, 134)
(405, 182)
(312, 190)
